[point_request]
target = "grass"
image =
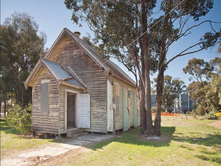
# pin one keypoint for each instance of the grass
(187, 142)
(12, 141)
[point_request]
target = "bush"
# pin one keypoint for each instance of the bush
(200, 110)
(194, 113)
(19, 118)
(153, 109)
(210, 116)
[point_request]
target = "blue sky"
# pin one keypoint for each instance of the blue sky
(52, 16)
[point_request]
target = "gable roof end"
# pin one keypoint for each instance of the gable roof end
(56, 70)
(106, 65)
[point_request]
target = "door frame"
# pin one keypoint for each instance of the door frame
(66, 97)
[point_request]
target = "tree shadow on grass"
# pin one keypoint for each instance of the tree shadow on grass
(133, 137)
(213, 140)
(210, 158)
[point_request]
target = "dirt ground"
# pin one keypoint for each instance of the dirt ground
(216, 124)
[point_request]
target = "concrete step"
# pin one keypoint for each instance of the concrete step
(75, 133)
(79, 134)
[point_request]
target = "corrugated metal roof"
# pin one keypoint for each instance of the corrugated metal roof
(73, 81)
(56, 69)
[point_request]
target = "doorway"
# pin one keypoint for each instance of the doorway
(71, 110)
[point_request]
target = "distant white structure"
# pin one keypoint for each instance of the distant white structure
(178, 105)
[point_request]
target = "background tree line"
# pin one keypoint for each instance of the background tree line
(21, 45)
(205, 89)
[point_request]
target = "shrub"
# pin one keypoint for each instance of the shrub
(210, 116)
(19, 118)
(200, 110)
(153, 109)
(194, 113)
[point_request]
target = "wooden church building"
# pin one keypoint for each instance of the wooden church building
(73, 87)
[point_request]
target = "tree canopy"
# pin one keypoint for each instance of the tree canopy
(206, 86)
(20, 48)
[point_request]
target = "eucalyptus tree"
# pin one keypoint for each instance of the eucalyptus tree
(20, 48)
(129, 31)
(206, 87)
(115, 25)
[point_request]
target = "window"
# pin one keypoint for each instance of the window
(116, 97)
(129, 100)
(44, 97)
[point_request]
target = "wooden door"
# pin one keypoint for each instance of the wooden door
(83, 110)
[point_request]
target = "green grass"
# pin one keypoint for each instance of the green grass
(12, 141)
(187, 142)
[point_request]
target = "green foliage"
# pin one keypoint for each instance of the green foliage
(198, 69)
(171, 89)
(200, 110)
(206, 90)
(210, 116)
(153, 109)
(20, 118)
(20, 49)
(194, 113)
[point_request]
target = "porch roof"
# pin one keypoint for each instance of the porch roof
(60, 74)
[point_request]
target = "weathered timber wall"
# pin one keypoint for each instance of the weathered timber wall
(47, 123)
(119, 117)
(71, 55)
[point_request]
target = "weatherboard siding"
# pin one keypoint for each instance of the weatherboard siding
(71, 55)
(119, 117)
(47, 123)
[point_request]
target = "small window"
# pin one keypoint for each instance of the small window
(44, 98)
(129, 100)
(116, 97)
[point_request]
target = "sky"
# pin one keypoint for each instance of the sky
(52, 16)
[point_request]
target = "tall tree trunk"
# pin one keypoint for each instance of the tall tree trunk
(160, 77)
(4, 107)
(150, 129)
(0, 108)
(142, 108)
(157, 122)
(146, 71)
